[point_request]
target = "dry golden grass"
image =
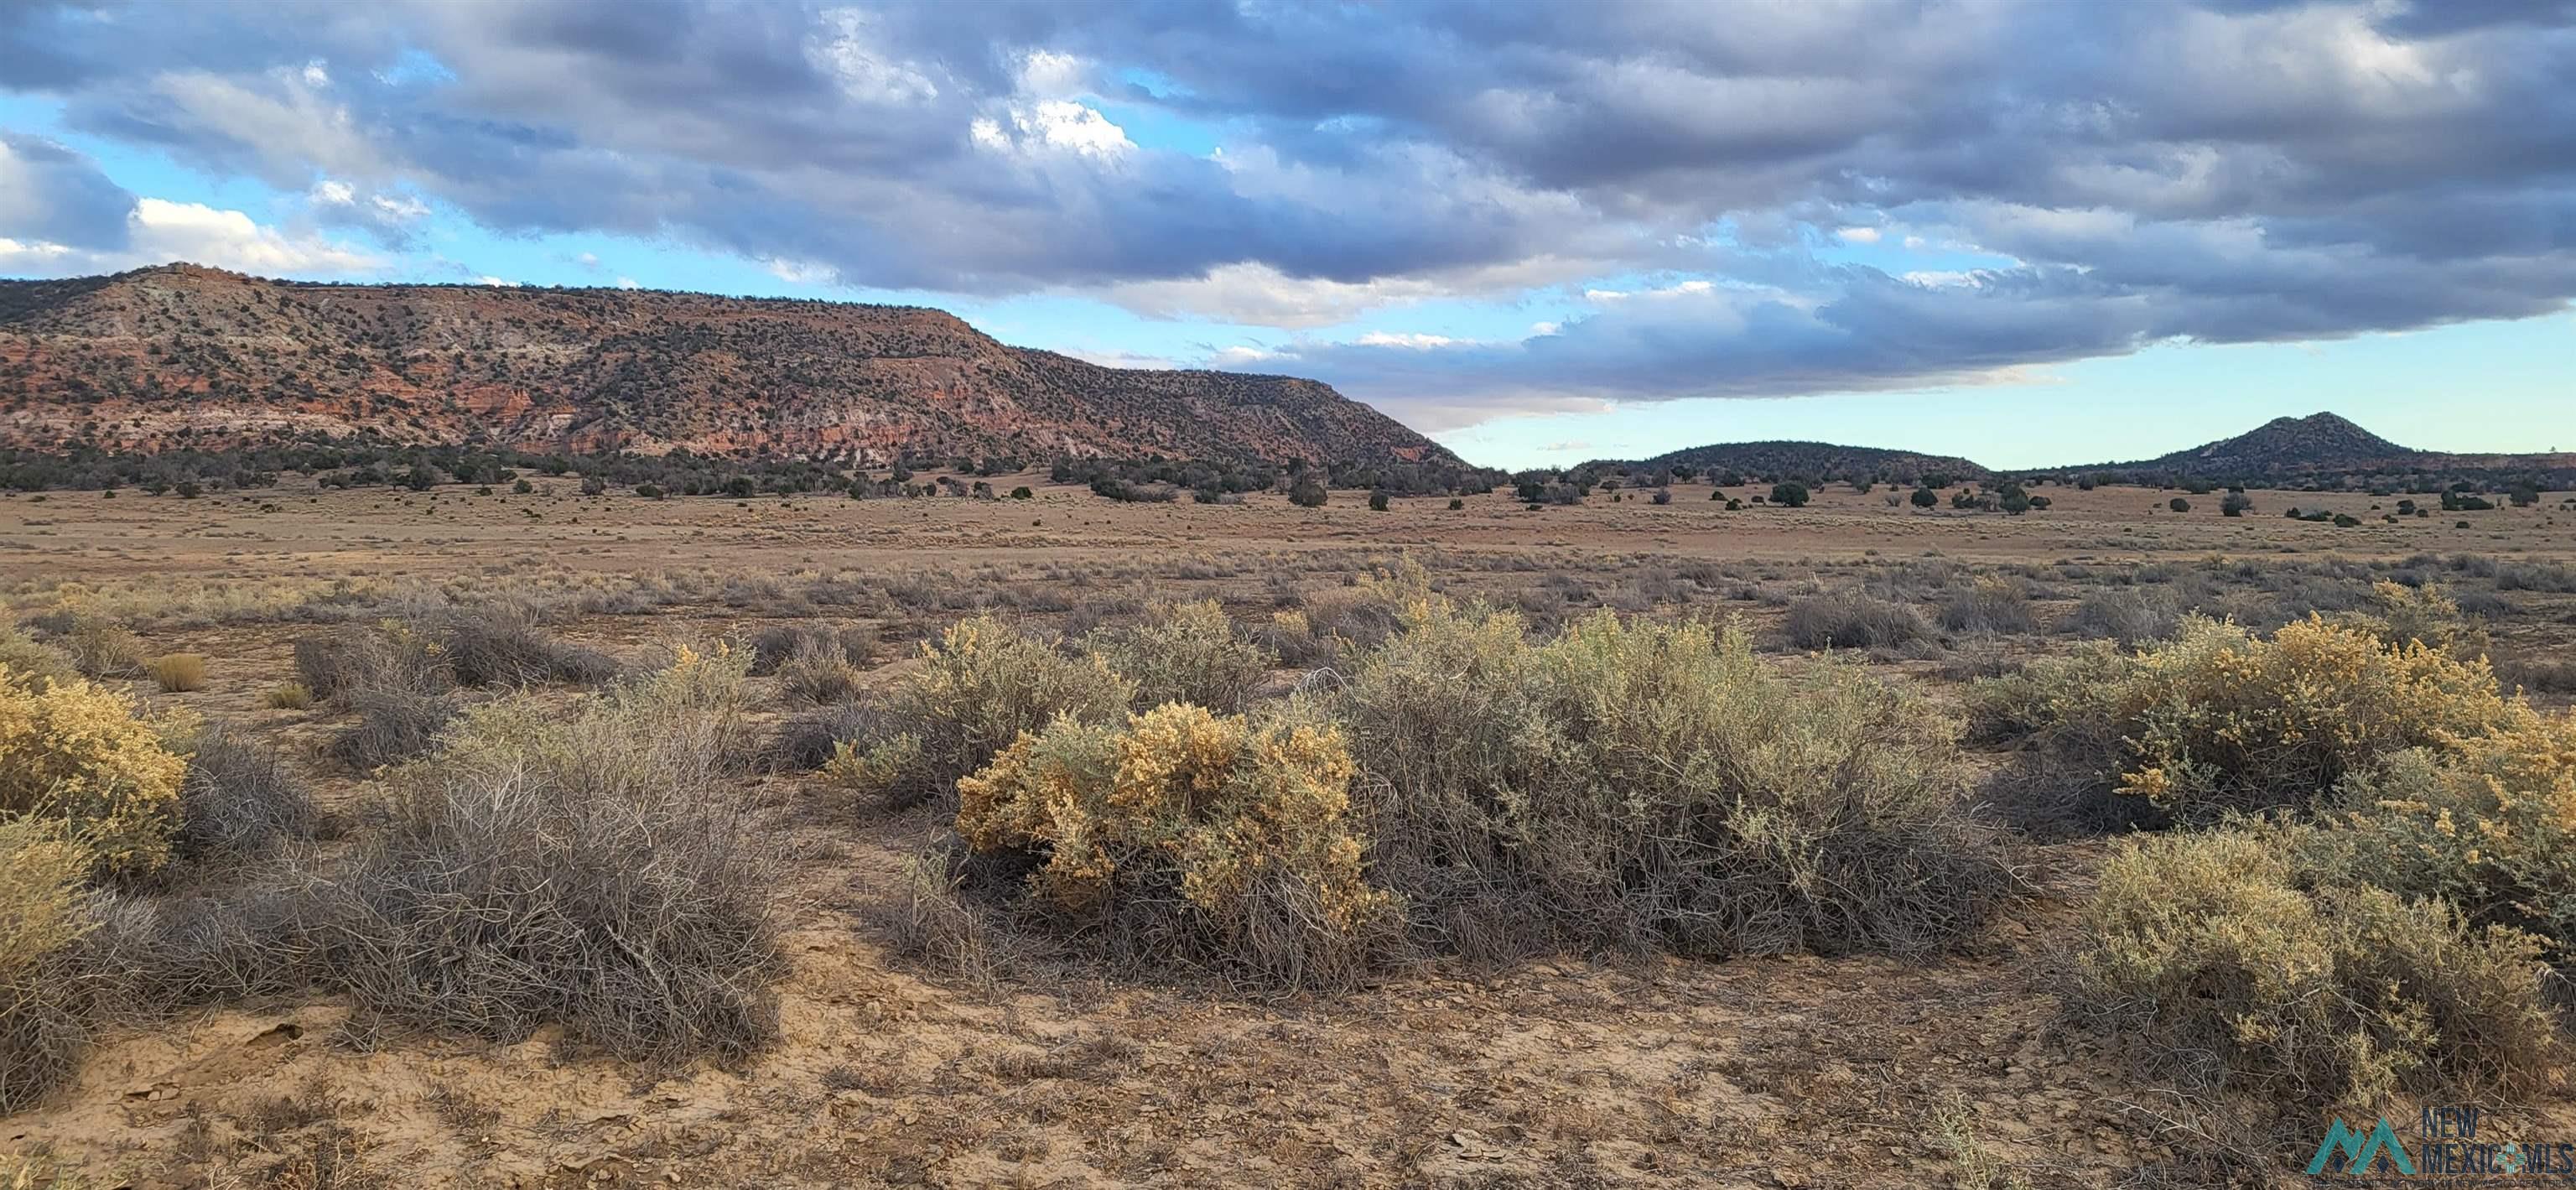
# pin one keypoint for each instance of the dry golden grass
(177, 673)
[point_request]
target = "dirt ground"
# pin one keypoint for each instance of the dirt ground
(297, 530)
(1575, 1071)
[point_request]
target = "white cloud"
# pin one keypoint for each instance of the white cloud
(158, 231)
(628, 283)
(401, 208)
(315, 74)
(488, 279)
(1414, 341)
(32, 256)
(1258, 294)
(1261, 295)
(1110, 358)
(1047, 73)
(853, 57)
(163, 231)
(800, 272)
(1858, 235)
(289, 123)
(382, 208)
(1053, 126)
(1236, 357)
(1691, 288)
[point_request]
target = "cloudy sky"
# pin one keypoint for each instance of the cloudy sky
(2026, 232)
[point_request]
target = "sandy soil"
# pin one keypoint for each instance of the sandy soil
(1758, 1072)
(297, 530)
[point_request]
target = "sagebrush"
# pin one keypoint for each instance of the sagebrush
(1651, 786)
(2234, 963)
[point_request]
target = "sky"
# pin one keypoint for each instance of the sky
(2029, 233)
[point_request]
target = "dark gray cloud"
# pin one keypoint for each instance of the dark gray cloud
(52, 195)
(2220, 171)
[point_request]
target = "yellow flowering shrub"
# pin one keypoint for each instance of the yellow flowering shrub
(1247, 821)
(2220, 719)
(2228, 950)
(76, 752)
(2488, 822)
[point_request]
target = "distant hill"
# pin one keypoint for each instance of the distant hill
(2317, 441)
(2327, 449)
(1804, 460)
(182, 356)
(2321, 449)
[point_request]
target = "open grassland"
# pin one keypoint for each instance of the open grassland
(377, 839)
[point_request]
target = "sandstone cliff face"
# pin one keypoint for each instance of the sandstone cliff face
(182, 355)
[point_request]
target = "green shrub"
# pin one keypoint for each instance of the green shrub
(287, 696)
(1651, 786)
(876, 770)
(981, 684)
(2221, 953)
(30, 662)
(2222, 720)
(1187, 836)
(1184, 652)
